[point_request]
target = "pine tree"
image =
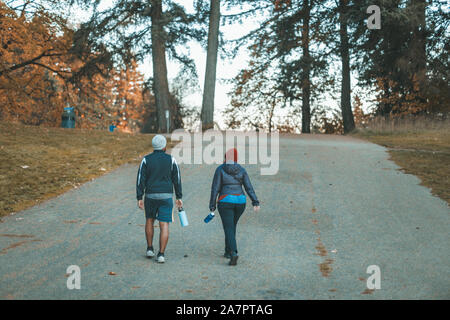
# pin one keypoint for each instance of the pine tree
(284, 41)
(134, 29)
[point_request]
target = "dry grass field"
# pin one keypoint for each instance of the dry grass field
(37, 163)
(421, 147)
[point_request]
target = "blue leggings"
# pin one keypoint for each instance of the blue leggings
(230, 214)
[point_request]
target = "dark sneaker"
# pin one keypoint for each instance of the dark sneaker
(160, 258)
(233, 260)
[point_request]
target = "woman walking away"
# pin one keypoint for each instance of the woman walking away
(227, 184)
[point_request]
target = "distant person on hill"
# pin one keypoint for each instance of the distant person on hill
(157, 177)
(227, 193)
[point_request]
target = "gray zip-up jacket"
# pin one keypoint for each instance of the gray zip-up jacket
(158, 173)
(229, 179)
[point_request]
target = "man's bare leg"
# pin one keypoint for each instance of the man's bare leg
(149, 231)
(163, 235)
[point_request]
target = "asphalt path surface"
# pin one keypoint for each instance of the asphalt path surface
(336, 206)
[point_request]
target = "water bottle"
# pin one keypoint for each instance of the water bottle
(183, 218)
(209, 217)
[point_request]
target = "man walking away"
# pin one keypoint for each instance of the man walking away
(157, 177)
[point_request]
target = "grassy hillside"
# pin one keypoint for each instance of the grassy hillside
(37, 163)
(423, 151)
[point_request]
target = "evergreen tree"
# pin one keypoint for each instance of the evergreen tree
(289, 41)
(403, 56)
(134, 29)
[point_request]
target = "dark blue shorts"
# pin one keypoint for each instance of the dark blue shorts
(160, 209)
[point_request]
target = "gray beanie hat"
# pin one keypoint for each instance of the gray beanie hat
(159, 142)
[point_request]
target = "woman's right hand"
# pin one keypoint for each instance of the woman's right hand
(256, 208)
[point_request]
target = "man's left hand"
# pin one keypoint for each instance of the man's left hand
(141, 204)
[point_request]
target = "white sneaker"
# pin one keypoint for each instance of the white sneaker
(160, 258)
(150, 253)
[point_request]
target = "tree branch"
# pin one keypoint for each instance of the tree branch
(58, 72)
(31, 61)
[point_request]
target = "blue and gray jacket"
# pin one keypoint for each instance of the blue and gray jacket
(158, 174)
(227, 184)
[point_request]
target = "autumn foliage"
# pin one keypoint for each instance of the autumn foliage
(37, 71)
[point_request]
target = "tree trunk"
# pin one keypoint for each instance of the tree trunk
(386, 105)
(207, 114)
(270, 117)
(160, 85)
(346, 107)
(418, 43)
(306, 86)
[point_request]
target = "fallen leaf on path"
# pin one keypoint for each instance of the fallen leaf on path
(112, 273)
(24, 167)
(16, 235)
(368, 291)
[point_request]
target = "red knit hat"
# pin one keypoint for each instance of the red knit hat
(231, 155)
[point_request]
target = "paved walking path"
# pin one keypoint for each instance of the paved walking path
(336, 206)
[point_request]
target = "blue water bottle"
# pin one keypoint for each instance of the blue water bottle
(183, 218)
(209, 217)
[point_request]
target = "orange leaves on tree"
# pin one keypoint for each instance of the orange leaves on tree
(403, 102)
(358, 113)
(35, 63)
(30, 63)
(281, 4)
